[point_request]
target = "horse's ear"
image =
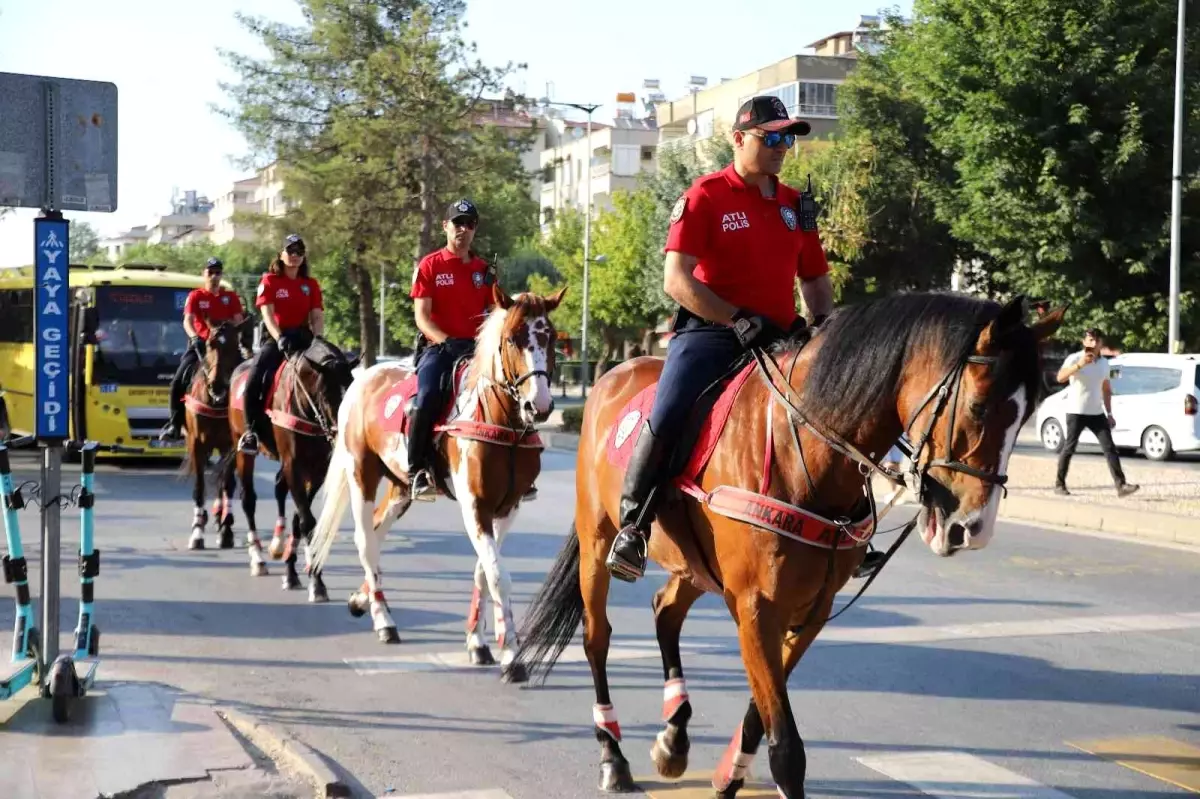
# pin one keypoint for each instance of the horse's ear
(554, 299)
(500, 296)
(1011, 317)
(1048, 325)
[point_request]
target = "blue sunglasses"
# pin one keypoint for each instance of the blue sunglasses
(774, 137)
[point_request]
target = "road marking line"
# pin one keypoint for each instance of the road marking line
(697, 785)
(1065, 625)
(916, 634)
(1162, 758)
(491, 793)
(958, 775)
(457, 658)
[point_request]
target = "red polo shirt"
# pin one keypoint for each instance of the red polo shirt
(461, 296)
(207, 308)
(291, 298)
(751, 247)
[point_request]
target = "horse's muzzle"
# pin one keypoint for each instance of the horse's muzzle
(531, 411)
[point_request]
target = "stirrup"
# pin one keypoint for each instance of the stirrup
(248, 442)
(170, 432)
(531, 494)
(871, 563)
(625, 570)
(421, 486)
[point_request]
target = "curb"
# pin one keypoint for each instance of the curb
(1135, 524)
(299, 755)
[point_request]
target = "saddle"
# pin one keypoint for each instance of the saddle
(461, 416)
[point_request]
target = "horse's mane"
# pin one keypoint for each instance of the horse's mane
(862, 349)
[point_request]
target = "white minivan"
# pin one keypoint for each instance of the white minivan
(1155, 400)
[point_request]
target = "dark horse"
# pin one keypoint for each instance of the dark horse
(776, 532)
(206, 413)
(304, 413)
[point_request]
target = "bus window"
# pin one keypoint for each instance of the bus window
(139, 335)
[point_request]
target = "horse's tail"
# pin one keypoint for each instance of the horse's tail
(554, 614)
(334, 496)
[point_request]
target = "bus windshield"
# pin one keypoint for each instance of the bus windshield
(139, 333)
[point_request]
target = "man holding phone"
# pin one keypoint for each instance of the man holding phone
(1089, 405)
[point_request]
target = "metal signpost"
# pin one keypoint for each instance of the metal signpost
(58, 151)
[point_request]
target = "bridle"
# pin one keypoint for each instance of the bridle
(941, 395)
(209, 372)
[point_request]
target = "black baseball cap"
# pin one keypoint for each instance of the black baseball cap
(214, 265)
(294, 242)
(770, 114)
(462, 208)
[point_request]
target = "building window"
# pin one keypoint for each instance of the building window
(647, 153)
(818, 99)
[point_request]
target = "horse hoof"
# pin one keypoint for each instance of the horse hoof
(615, 778)
(227, 539)
(670, 765)
(730, 791)
(481, 656)
(258, 570)
(388, 635)
(514, 673)
(196, 543)
(317, 594)
(275, 548)
(356, 610)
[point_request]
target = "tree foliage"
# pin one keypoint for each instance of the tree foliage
(1056, 117)
(371, 108)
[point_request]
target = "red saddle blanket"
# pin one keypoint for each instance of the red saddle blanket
(238, 387)
(391, 411)
(637, 410)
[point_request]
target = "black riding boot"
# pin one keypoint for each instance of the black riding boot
(420, 438)
(639, 498)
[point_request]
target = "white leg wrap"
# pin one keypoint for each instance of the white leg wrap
(605, 717)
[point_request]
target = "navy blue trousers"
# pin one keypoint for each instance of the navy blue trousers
(435, 362)
(696, 357)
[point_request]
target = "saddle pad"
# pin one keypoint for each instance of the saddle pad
(391, 405)
(238, 387)
(622, 438)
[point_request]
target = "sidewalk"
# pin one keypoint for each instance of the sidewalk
(1166, 509)
(136, 741)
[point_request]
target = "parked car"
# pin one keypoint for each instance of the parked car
(1155, 397)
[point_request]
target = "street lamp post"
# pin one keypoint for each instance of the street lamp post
(584, 363)
(587, 231)
(1173, 342)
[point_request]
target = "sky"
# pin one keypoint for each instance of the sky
(163, 56)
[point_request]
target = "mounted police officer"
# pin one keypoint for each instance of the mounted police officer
(452, 295)
(737, 241)
(205, 308)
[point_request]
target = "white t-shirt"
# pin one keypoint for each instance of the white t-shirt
(1085, 393)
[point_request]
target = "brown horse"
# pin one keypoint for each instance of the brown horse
(303, 409)
(206, 414)
(779, 517)
(487, 461)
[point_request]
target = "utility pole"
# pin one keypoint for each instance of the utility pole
(1173, 342)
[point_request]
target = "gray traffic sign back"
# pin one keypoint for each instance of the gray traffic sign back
(58, 143)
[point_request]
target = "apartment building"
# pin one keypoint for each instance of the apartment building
(260, 195)
(618, 153)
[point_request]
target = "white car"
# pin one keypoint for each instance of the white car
(1155, 397)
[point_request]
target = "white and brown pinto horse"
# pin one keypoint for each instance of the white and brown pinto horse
(486, 456)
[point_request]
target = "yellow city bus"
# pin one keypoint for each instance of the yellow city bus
(126, 324)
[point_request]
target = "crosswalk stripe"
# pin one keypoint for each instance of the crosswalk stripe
(958, 775)
(1166, 759)
(698, 785)
(492, 793)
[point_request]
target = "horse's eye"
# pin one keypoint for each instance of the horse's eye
(978, 409)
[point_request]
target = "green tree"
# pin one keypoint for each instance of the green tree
(371, 108)
(85, 243)
(1056, 116)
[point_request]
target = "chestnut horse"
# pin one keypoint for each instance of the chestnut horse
(487, 464)
(206, 414)
(304, 415)
(959, 375)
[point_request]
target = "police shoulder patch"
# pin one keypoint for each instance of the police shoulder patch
(789, 216)
(677, 211)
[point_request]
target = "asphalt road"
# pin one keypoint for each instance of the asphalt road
(983, 675)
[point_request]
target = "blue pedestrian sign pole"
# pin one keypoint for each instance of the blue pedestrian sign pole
(51, 305)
